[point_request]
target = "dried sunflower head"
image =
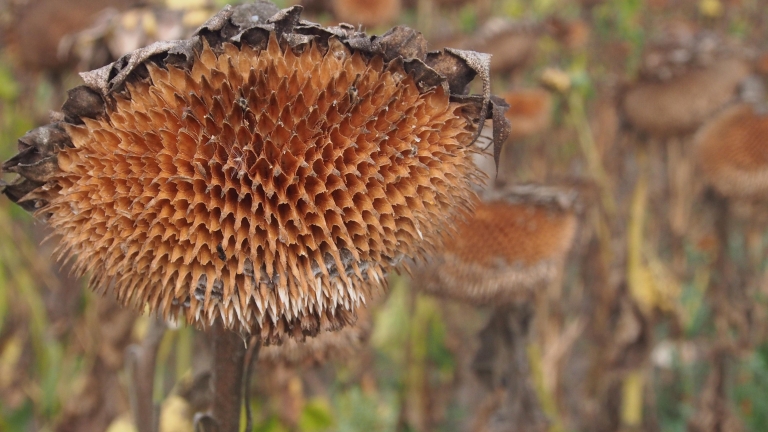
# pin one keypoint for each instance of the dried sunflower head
(732, 151)
(268, 172)
(511, 43)
(516, 241)
(682, 103)
(686, 75)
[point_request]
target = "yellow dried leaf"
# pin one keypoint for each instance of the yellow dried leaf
(122, 424)
(632, 398)
(176, 415)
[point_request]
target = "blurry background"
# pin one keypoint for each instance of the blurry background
(658, 322)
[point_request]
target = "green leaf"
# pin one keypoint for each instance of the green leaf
(271, 425)
(9, 90)
(316, 416)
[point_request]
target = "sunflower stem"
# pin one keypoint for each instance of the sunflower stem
(140, 363)
(250, 361)
(228, 372)
(523, 400)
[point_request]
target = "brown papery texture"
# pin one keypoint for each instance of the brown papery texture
(271, 188)
(732, 151)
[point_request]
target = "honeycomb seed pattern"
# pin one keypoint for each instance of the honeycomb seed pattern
(270, 188)
(732, 152)
(501, 254)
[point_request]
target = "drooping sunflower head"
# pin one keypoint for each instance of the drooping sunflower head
(515, 243)
(686, 75)
(267, 172)
(682, 103)
(732, 151)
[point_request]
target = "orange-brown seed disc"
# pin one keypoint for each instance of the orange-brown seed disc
(732, 151)
(270, 188)
(502, 252)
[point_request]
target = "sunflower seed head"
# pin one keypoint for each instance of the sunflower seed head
(235, 177)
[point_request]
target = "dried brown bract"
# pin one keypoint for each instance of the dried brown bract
(267, 172)
(516, 241)
(732, 151)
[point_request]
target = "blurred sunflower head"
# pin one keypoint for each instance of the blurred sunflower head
(515, 242)
(268, 172)
(686, 75)
(731, 151)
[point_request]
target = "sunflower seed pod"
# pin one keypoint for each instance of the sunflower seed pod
(732, 151)
(267, 172)
(515, 242)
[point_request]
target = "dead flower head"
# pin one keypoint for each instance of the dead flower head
(731, 151)
(686, 76)
(267, 172)
(515, 242)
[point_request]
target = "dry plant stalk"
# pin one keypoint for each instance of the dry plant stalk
(501, 363)
(267, 173)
